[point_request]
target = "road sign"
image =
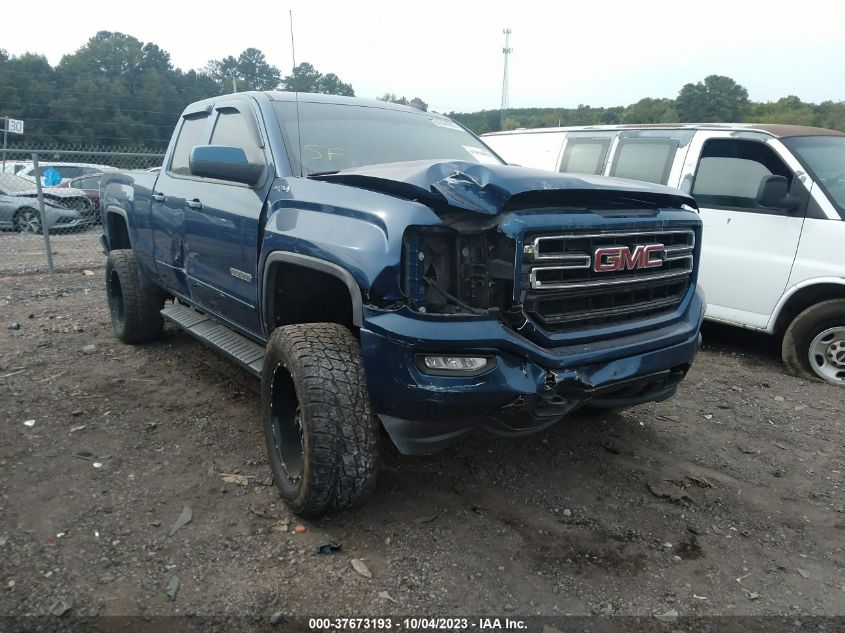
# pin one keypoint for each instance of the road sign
(14, 126)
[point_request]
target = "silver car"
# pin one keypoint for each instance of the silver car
(63, 208)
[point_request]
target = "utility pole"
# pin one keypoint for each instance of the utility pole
(234, 83)
(507, 50)
(5, 138)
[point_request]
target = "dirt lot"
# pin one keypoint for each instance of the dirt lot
(727, 499)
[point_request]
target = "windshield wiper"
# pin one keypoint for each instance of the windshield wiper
(321, 173)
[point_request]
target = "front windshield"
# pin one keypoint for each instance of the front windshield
(824, 158)
(15, 184)
(333, 137)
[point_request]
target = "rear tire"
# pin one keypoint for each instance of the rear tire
(322, 437)
(135, 305)
(814, 343)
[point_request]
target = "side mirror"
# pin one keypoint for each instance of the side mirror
(224, 163)
(774, 194)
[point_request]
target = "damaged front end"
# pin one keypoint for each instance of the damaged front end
(536, 293)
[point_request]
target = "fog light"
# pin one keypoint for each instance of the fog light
(454, 365)
(457, 363)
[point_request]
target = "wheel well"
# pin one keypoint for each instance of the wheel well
(298, 294)
(803, 299)
(117, 231)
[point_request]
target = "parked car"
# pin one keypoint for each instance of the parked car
(376, 265)
(772, 199)
(66, 171)
(90, 186)
(65, 209)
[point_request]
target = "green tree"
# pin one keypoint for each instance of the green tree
(716, 99)
(249, 71)
(650, 111)
(306, 78)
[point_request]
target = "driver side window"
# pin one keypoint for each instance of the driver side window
(231, 129)
(730, 171)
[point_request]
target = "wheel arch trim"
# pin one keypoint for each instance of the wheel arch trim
(320, 265)
(115, 210)
(774, 320)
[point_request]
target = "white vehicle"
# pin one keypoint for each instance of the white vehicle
(772, 199)
(67, 171)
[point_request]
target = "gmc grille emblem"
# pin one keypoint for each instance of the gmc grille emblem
(615, 258)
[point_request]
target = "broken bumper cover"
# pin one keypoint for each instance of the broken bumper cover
(529, 387)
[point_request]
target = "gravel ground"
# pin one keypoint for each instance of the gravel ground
(725, 500)
(24, 253)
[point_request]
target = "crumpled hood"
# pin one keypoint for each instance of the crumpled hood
(488, 189)
(56, 192)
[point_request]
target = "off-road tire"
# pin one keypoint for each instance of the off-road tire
(803, 329)
(313, 374)
(135, 305)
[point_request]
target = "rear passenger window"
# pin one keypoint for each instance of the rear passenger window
(232, 130)
(584, 156)
(644, 159)
(189, 137)
(730, 171)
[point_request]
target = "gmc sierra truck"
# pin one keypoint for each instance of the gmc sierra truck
(378, 265)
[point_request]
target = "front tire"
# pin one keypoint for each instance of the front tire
(814, 343)
(135, 306)
(28, 220)
(322, 437)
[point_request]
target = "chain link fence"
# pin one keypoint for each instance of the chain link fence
(50, 214)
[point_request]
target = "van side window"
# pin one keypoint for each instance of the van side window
(189, 137)
(231, 129)
(584, 156)
(648, 159)
(730, 170)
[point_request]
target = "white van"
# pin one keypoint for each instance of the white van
(772, 199)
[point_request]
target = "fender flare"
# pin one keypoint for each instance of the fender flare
(117, 210)
(321, 265)
(792, 290)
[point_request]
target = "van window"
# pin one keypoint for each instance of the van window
(730, 171)
(648, 159)
(584, 156)
(189, 137)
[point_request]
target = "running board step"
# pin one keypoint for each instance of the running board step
(232, 345)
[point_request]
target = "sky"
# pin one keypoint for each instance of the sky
(449, 54)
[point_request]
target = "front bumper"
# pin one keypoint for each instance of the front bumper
(530, 387)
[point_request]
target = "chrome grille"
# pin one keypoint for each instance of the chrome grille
(563, 291)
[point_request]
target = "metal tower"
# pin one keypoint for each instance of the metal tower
(507, 50)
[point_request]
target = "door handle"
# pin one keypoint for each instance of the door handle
(194, 204)
(159, 197)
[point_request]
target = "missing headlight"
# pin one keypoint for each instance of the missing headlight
(446, 272)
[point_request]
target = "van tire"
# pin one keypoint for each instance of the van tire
(804, 330)
(135, 305)
(321, 434)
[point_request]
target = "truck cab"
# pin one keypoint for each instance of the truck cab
(772, 200)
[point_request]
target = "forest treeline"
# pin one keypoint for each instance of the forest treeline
(116, 90)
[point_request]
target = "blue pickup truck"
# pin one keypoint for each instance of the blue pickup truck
(377, 265)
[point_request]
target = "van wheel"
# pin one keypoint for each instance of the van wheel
(322, 437)
(135, 306)
(814, 343)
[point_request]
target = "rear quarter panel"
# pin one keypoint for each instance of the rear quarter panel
(128, 194)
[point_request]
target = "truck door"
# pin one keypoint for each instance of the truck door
(173, 187)
(222, 223)
(747, 250)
